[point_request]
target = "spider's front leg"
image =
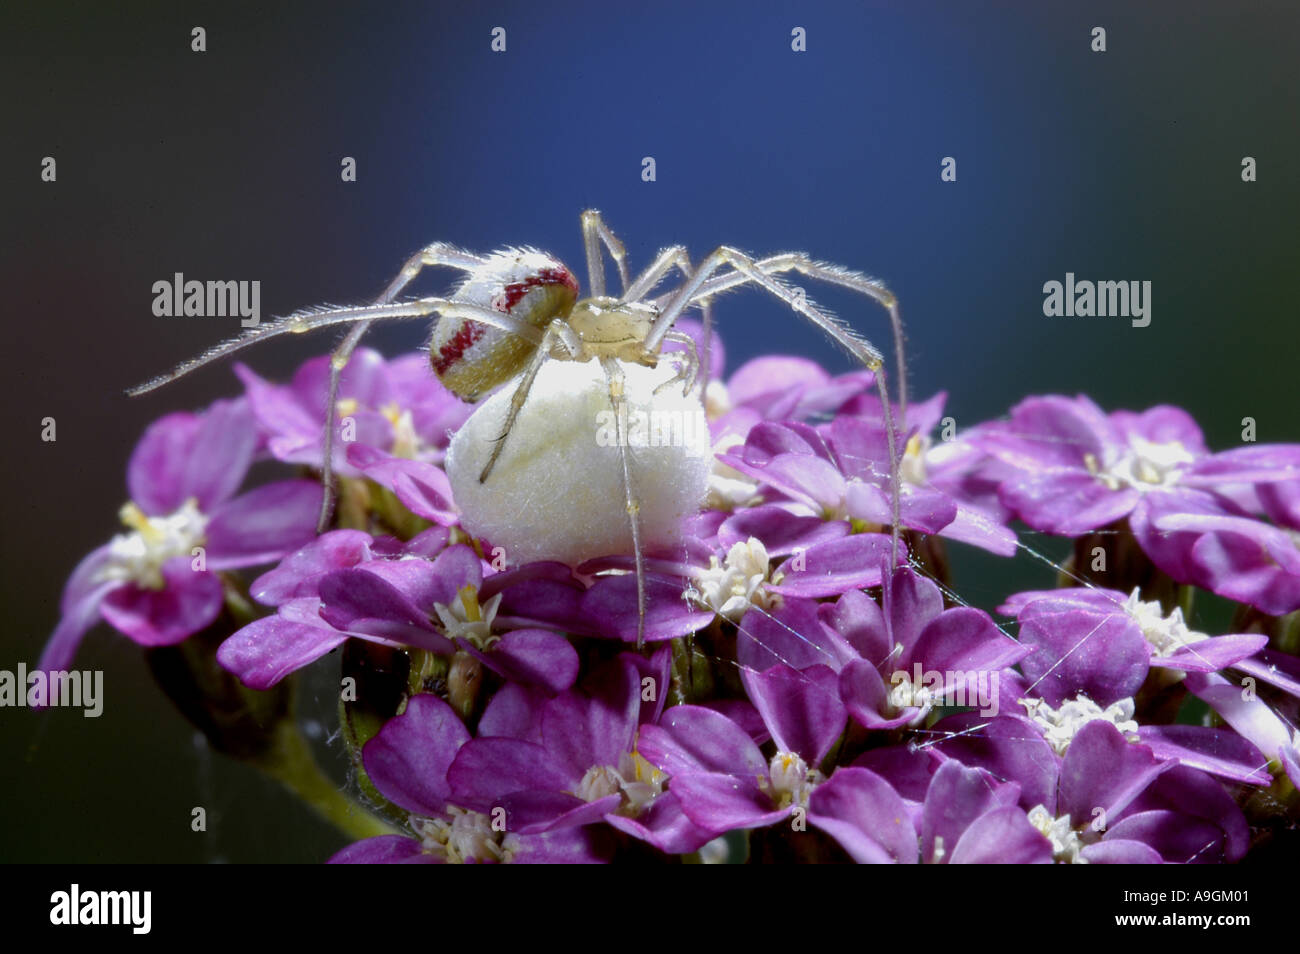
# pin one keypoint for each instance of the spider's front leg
(361, 317)
(834, 275)
(559, 338)
(842, 335)
(439, 253)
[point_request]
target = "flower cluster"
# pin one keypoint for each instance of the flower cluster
(803, 689)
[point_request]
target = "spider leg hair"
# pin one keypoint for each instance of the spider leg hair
(834, 275)
(557, 334)
(325, 316)
(438, 254)
(840, 333)
(614, 378)
(594, 233)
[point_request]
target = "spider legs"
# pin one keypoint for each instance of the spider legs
(834, 275)
(595, 232)
(439, 253)
(614, 378)
(690, 363)
(361, 317)
(704, 360)
(676, 257)
(747, 270)
(672, 257)
(558, 336)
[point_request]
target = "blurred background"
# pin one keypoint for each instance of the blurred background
(1122, 165)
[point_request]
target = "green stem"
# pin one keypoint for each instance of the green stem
(290, 762)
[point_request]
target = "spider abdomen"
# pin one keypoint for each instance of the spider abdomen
(470, 357)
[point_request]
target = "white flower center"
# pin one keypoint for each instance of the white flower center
(465, 619)
(728, 487)
(731, 587)
(1061, 725)
(717, 399)
(791, 780)
(1144, 466)
(912, 467)
(1066, 843)
(639, 782)
(599, 782)
(906, 694)
(406, 443)
(642, 782)
(1166, 634)
(138, 557)
(462, 836)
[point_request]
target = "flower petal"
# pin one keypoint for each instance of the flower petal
(298, 575)
(534, 657)
(382, 850)
(1217, 751)
(77, 620)
(1120, 851)
(1103, 770)
(719, 802)
(957, 797)
(157, 465)
(694, 739)
(1003, 836)
(189, 601)
(408, 759)
(611, 606)
(1069, 504)
(1102, 655)
(802, 709)
(268, 649)
(263, 524)
(792, 634)
(861, 811)
(835, 566)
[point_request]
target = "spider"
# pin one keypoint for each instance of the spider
(519, 308)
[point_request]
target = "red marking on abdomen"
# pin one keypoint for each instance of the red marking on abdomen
(512, 293)
(457, 345)
(470, 332)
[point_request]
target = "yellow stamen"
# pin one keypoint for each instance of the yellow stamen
(135, 518)
(469, 600)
